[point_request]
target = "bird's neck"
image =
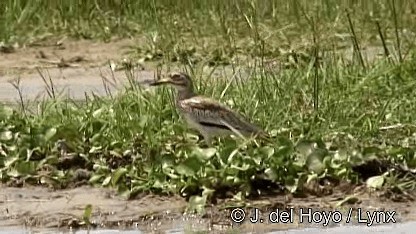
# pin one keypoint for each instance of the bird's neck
(185, 94)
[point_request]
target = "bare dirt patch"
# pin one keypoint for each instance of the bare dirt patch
(43, 208)
(80, 53)
(74, 67)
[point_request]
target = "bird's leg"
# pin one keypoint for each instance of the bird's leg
(208, 140)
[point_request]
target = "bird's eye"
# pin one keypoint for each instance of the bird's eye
(176, 77)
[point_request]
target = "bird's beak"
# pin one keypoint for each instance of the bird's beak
(165, 80)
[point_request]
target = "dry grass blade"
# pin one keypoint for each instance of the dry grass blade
(17, 85)
(357, 48)
(50, 88)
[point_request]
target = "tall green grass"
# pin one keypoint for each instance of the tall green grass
(329, 116)
(236, 26)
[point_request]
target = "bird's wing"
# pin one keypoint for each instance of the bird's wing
(209, 112)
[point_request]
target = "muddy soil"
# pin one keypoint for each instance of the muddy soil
(74, 68)
(63, 53)
(43, 208)
(81, 66)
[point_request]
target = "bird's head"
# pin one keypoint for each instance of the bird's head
(179, 80)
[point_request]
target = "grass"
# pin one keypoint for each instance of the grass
(213, 32)
(331, 118)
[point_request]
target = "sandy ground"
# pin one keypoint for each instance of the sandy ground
(43, 209)
(79, 67)
(48, 54)
(74, 69)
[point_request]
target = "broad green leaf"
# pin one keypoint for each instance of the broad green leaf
(25, 167)
(106, 181)
(197, 204)
(13, 173)
(49, 134)
(311, 177)
(341, 172)
(95, 149)
(118, 174)
(159, 184)
(315, 161)
(168, 161)
(6, 136)
(238, 197)
(189, 167)
(95, 178)
(115, 153)
(207, 191)
(375, 182)
(305, 148)
(271, 174)
(204, 154)
(95, 138)
(267, 151)
(341, 155)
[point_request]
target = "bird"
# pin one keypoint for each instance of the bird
(208, 116)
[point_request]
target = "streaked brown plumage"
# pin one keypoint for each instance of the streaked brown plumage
(206, 115)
